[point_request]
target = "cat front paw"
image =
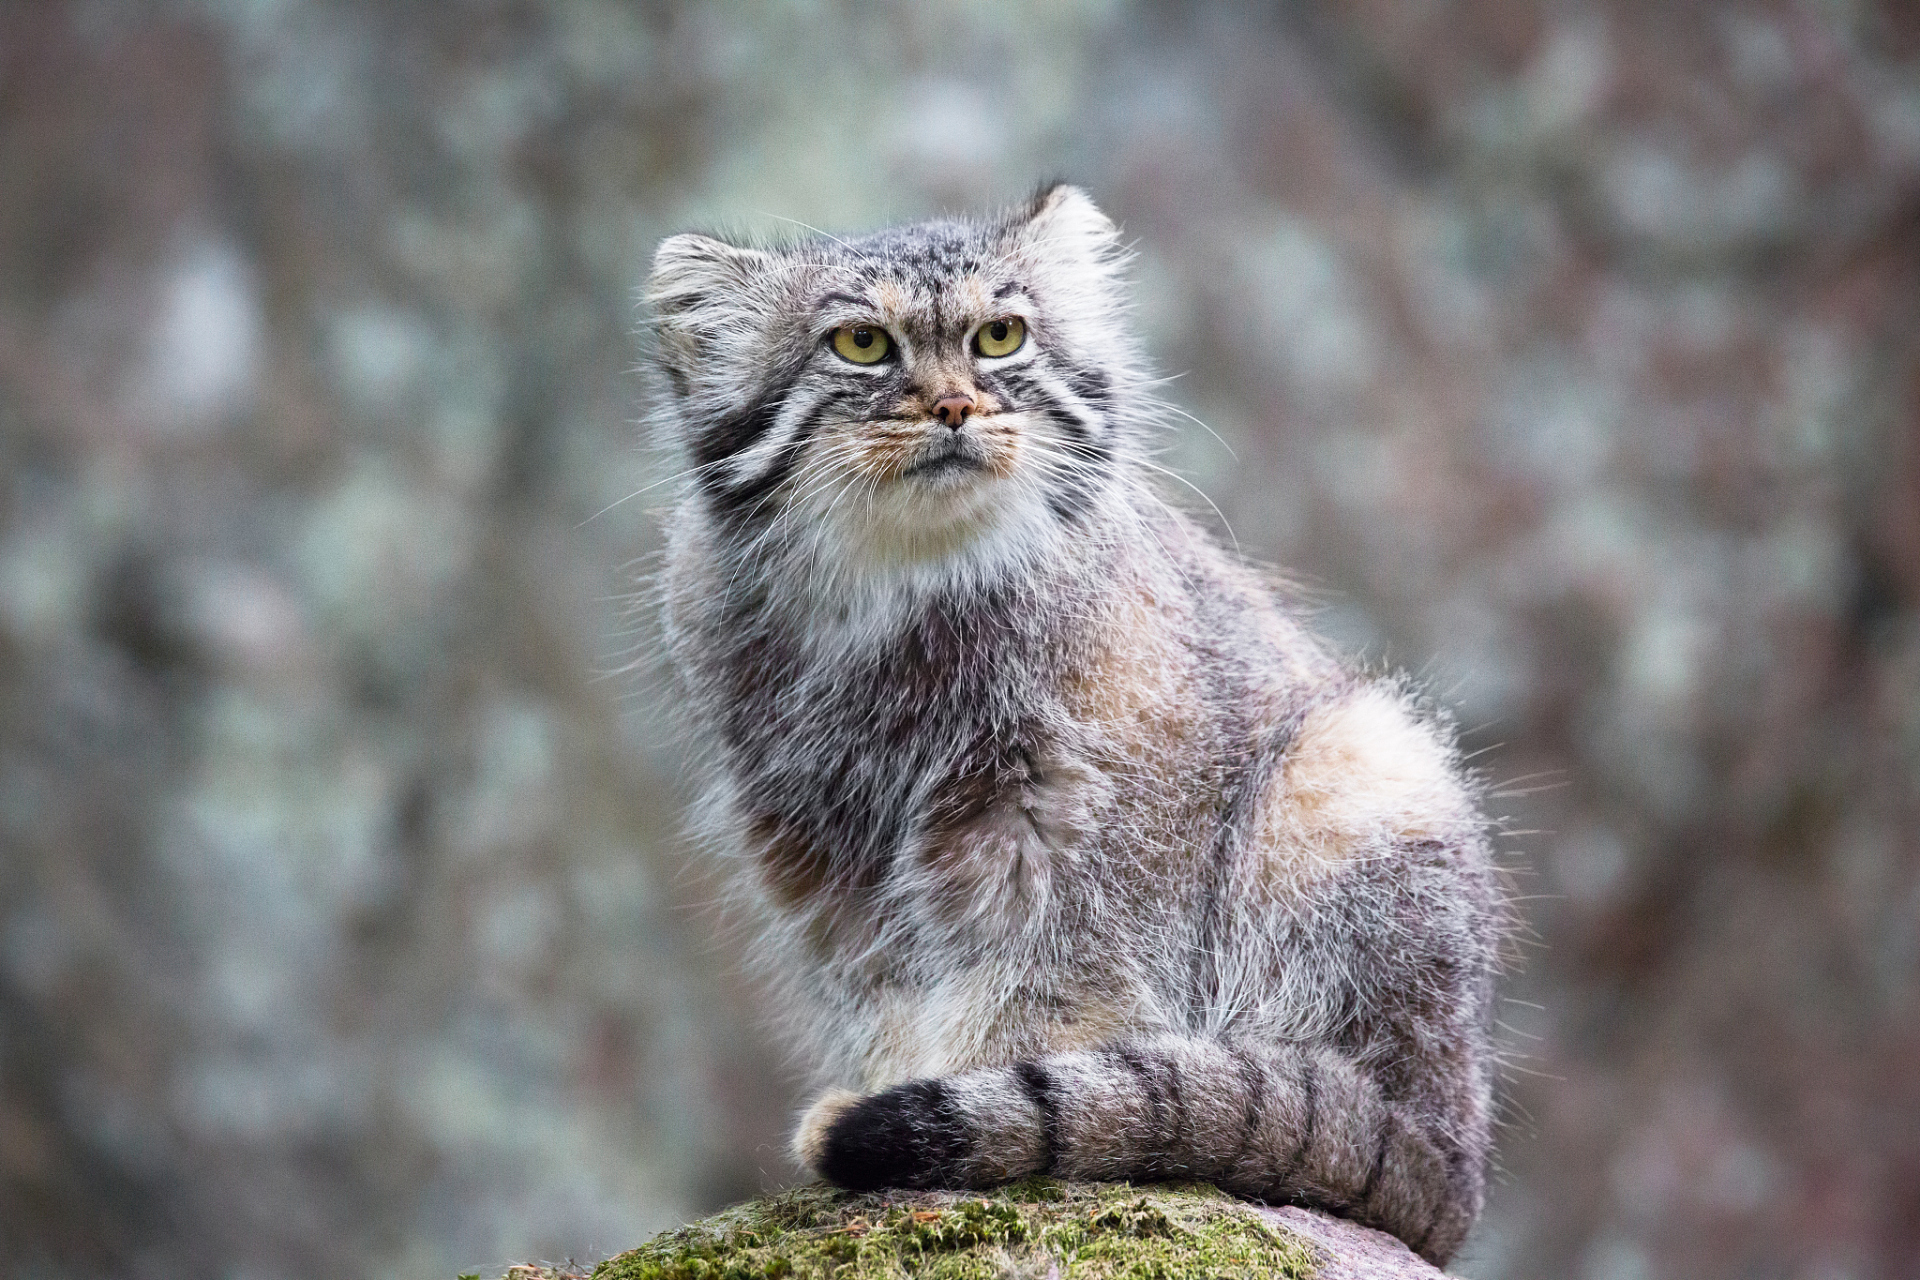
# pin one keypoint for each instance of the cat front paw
(911, 1135)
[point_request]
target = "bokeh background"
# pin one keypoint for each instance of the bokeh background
(1568, 353)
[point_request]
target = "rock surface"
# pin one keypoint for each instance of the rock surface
(1037, 1228)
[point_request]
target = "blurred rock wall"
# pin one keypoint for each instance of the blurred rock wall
(1568, 353)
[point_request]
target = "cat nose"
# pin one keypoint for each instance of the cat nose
(953, 410)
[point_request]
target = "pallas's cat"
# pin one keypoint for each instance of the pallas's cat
(1070, 850)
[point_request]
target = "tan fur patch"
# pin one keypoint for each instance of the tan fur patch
(1362, 771)
(1091, 1026)
(972, 297)
(1128, 686)
(944, 371)
(888, 448)
(893, 299)
(810, 1135)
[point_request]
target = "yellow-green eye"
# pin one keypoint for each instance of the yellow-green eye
(861, 343)
(1000, 337)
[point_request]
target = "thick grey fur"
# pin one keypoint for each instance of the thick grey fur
(1068, 848)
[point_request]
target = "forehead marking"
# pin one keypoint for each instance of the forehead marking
(971, 293)
(892, 297)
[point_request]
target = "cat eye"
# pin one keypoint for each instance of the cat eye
(1000, 337)
(861, 343)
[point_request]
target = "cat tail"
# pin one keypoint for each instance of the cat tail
(1278, 1123)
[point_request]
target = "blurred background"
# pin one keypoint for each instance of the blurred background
(1569, 352)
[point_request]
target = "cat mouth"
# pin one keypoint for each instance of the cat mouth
(951, 459)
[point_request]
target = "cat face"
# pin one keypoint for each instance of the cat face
(906, 395)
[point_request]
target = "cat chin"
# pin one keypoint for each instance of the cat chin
(861, 577)
(959, 522)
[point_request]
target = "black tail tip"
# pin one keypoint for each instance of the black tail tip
(912, 1135)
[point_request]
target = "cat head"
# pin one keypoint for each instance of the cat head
(905, 397)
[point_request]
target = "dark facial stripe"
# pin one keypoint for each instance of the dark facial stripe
(1038, 1086)
(1080, 420)
(1071, 493)
(738, 432)
(749, 497)
(1092, 385)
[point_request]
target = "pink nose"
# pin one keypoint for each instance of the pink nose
(953, 410)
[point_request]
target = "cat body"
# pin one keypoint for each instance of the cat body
(1070, 849)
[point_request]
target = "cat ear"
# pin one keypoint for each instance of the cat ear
(1063, 216)
(701, 290)
(694, 272)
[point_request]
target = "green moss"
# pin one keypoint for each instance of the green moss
(1078, 1231)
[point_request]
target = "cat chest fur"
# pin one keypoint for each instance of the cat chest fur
(973, 752)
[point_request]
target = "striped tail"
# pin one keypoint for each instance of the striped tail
(1275, 1123)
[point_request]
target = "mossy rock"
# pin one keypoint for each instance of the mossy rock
(1038, 1228)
